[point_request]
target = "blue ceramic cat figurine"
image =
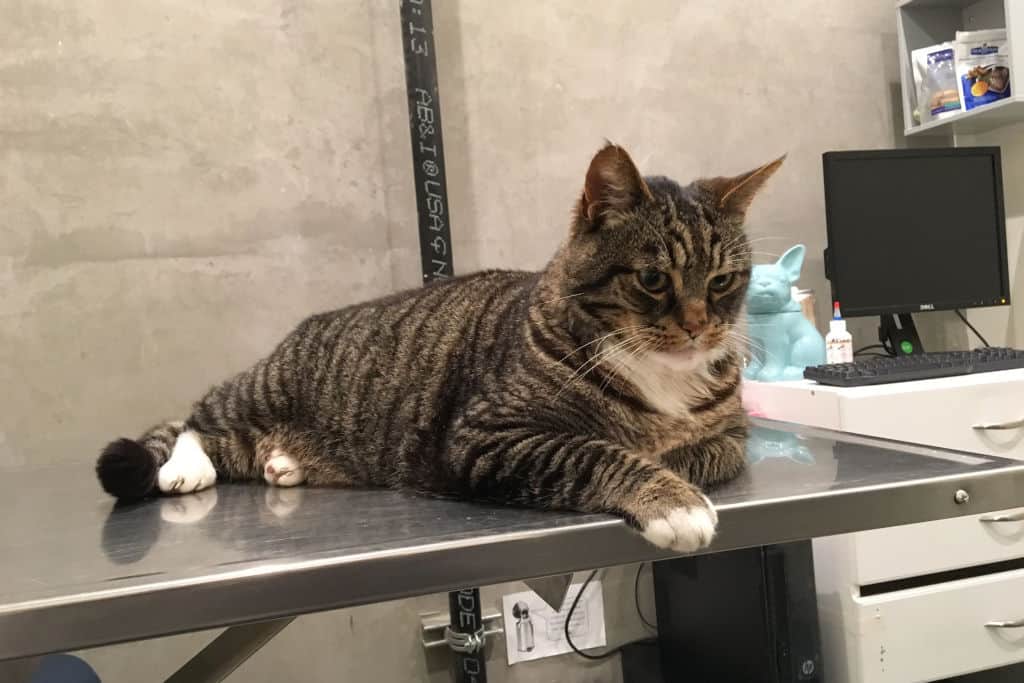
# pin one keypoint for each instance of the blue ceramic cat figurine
(783, 341)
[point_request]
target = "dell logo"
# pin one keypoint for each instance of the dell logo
(927, 307)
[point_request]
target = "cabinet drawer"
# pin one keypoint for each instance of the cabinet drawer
(942, 413)
(929, 547)
(938, 631)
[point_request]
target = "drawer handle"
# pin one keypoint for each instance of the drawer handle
(1016, 623)
(1012, 517)
(1015, 424)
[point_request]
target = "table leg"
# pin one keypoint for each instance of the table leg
(228, 651)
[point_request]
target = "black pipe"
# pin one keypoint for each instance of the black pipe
(427, 144)
(464, 607)
(468, 664)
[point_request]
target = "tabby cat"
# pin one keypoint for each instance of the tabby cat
(608, 382)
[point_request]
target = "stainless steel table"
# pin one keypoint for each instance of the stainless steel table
(76, 571)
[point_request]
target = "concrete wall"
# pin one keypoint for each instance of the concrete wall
(710, 87)
(182, 182)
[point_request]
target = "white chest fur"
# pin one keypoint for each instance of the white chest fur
(669, 382)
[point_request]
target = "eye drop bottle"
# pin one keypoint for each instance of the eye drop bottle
(838, 342)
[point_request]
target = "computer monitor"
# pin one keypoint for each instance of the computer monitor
(915, 230)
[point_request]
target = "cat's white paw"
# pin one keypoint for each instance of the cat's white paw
(188, 509)
(189, 469)
(684, 529)
(282, 469)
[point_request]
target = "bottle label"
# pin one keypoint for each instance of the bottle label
(838, 351)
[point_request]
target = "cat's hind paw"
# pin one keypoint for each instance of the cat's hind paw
(684, 529)
(282, 469)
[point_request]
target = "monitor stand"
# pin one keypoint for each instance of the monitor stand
(900, 334)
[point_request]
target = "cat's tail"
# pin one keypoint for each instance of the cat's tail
(128, 469)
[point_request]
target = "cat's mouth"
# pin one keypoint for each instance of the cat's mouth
(679, 359)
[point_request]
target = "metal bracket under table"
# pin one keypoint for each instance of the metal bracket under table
(228, 651)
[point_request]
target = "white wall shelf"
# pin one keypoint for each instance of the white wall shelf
(949, 4)
(927, 22)
(980, 120)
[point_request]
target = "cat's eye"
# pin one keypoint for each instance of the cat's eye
(653, 280)
(720, 283)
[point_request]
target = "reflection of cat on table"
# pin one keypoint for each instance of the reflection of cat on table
(783, 342)
(773, 444)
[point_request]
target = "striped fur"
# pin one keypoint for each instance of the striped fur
(577, 387)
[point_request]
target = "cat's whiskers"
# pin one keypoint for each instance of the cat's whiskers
(735, 240)
(605, 354)
(735, 264)
(766, 255)
(616, 371)
(743, 347)
(761, 238)
(561, 298)
(739, 342)
(671, 390)
(743, 250)
(735, 331)
(628, 328)
(743, 340)
(611, 371)
(634, 352)
(587, 367)
(591, 365)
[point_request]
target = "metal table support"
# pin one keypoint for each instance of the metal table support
(228, 651)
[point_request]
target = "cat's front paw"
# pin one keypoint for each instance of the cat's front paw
(685, 528)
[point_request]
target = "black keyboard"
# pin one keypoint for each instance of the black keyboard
(867, 371)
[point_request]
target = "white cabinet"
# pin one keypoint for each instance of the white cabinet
(961, 413)
(911, 603)
(924, 634)
(931, 547)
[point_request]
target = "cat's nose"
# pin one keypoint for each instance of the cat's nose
(695, 318)
(693, 328)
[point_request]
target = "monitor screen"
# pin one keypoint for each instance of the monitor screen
(915, 230)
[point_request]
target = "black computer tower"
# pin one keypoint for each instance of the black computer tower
(748, 616)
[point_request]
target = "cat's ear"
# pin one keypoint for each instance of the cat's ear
(733, 195)
(792, 261)
(613, 185)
